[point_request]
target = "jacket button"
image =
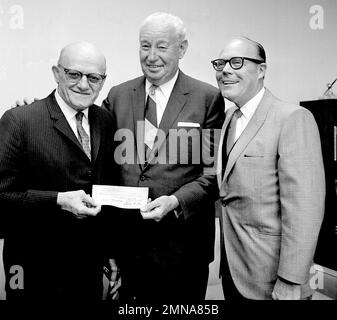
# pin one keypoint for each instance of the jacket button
(142, 178)
(89, 174)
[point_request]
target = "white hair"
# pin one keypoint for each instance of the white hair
(167, 19)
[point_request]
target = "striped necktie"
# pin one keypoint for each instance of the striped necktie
(82, 135)
(150, 121)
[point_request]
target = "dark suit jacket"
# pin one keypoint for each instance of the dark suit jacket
(40, 156)
(200, 105)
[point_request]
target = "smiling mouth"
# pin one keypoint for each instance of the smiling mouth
(82, 93)
(229, 82)
(152, 66)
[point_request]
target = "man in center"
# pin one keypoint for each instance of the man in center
(170, 243)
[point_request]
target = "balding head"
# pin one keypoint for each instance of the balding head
(79, 92)
(240, 82)
(255, 48)
(83, 52)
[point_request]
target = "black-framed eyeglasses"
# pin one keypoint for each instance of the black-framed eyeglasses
(76, 76)
(236, 63)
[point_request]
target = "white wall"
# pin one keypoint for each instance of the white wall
(300, 60)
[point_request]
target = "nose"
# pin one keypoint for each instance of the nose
(152, 54)
(227, 68)
(83, 84)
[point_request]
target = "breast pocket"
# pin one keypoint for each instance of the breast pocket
(259, 160)
(256, 174)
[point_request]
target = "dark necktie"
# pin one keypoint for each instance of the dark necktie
(229, 140)
(232, 130)
(82, 135)
(150, 121)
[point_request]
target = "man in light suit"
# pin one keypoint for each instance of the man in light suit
(271, 180)
(51, 153)
(168, 247)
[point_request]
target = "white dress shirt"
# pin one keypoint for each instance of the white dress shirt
(247, 112)
(70, 115)
(163, 94)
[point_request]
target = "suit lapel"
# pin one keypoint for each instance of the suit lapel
(95, 134)
(250, 131)
(229, 114)
(60, 122)
(138, 108)
(174, 106)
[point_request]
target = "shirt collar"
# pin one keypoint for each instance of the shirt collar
(249, 108)
(68, 111)
(165, 88)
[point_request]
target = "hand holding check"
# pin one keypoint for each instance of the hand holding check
(78, 203)
(159, 208)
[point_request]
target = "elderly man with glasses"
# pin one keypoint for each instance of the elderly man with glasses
(271, 180)
(51, 153)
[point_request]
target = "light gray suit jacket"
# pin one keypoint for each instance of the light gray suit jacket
(272, 192)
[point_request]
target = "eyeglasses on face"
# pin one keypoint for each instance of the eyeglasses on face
(75, 76)
(236, 63)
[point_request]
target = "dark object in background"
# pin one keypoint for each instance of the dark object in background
(325, 113)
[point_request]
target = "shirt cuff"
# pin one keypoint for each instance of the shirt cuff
(178, 211)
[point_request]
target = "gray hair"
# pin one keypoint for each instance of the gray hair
(168, 19)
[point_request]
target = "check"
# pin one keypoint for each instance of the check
(121, 197)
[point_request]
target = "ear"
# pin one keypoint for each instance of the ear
(262, 68)
(182, 48)
(56, 72)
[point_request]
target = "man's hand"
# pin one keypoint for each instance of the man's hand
(286, 291)
(158, 208)
(23, 102)
(112, 272)
(78, 203)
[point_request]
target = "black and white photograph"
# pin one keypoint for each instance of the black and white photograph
(168, 157)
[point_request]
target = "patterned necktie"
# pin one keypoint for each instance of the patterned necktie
(82, 135)
(232, 130)
(150, 121)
